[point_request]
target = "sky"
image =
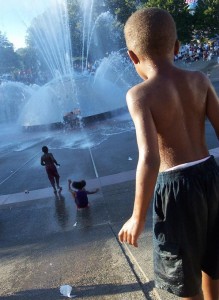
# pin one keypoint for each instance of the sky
(16, 16)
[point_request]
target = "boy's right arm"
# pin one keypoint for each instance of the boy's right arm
(212, 107)
(147, 168)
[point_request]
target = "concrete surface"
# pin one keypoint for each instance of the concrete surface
(45, 242)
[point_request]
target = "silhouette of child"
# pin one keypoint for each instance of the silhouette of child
(80, 193)
(169, 109)
(48, 160)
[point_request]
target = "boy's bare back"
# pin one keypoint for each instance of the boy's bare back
(173, 106)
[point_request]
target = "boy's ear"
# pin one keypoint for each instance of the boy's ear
(176, 47)
(133, 57)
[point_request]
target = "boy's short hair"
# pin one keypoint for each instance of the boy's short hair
(45, 149)
(150, 31)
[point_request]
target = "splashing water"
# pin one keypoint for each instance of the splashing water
(94, 92)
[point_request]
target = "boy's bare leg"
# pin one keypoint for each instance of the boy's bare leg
(57, 183)
(210, 287)
(52, 181)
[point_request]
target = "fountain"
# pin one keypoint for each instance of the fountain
(95, 90)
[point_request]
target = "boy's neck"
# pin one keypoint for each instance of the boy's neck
(155, 66)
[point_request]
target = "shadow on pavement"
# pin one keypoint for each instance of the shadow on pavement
(80, 292)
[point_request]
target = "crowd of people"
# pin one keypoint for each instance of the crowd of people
(27, 77)
(195, 51)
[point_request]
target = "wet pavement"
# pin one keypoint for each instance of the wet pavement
(45, 242)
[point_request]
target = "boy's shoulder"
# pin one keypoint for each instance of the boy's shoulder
(139, 91)
(148, 88)
(193, 79)
(192, 73)
(150, 93)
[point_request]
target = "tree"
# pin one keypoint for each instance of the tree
(8, 58)
(94, 30)
(206, 18)
(28, 59)
(122, 8)
(180, 12)
(75, 26)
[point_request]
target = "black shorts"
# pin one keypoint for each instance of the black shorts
(186, 223)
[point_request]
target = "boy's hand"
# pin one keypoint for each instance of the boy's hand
(131, 231)
(69, 180)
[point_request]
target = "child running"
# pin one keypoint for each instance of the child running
(80, 193)
(169, 109)
(48, 160)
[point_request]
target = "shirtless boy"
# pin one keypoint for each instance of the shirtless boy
(48, 160)
(169, 109)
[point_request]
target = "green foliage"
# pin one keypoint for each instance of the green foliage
(104, 37)
(28, 58)
(9, 60)
(75, 24)
(179, 11)
(206, 18)
(204, 23)
(122, 8)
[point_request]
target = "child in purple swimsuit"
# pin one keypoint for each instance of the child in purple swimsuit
(80, 193)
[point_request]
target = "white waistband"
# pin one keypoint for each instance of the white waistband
(186, 165)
